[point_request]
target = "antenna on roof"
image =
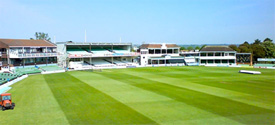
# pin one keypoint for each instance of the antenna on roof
(85, 36)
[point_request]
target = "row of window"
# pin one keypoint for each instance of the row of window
(217, 61)
(161, 51)
(170, 61)
(33, 50)
(34, 60)
(217, 54)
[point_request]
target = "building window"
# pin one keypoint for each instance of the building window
(203, 61)
(203, 54)
(217, 61)
(231, 54)
(176, 51)
(151, 51)
(217, 54)
(143, 52)
(210, 54)
(157, 51)
(224, 61)
(169, 51)
(154, 62)
(163, 51)
(210, 61)
(226, 54)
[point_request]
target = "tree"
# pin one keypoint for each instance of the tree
(268, 39)
(182, 48)
(269, 48)
(257, 41)
(245, 48)
(234, 47)
(202, 47)
(41, 36)
(246, 44)
(190, 48)
(258, 51)
(197, 48)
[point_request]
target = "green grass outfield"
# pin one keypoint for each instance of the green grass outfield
(158, 95)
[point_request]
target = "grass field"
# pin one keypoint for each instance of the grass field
(159, 95)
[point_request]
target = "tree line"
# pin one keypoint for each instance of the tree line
(190, 48)
(259, 49)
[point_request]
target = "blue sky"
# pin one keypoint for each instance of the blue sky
(137, 21)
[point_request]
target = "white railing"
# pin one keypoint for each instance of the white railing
(217, 57)
(104, 55)
(26, 55)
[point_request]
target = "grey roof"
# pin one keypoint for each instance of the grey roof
(216, 48)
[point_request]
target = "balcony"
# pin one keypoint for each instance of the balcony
(32, 55)
(103, 55)
(217, 57)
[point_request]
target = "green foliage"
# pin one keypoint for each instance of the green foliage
(41, 36)
(265, 49)
(190, 48)
(245, 49)
(268, 39)
(269, 48)
(182, 48)
(246, 44)
(258, 51)
(132, 49)
(197, 48)
(257, 41)
(202, 47)
(234, 47)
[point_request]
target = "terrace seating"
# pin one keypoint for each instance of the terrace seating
(117, 62)
(120, 63)
(101, 62)
(29, 70)
(77, 51)
(87, 63)
(128, 63)
(101, 51)
(5, 77)
(120, 51)
(50, 68)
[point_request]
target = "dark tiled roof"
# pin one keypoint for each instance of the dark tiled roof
(144, 46)
(216, 48)
(4, 43)
(172, 45)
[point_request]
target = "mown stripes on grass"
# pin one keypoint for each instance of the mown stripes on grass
(193, 85)
(214, 104)
(34, 104)
(221, 77)
(159, 108)
(83, 104)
